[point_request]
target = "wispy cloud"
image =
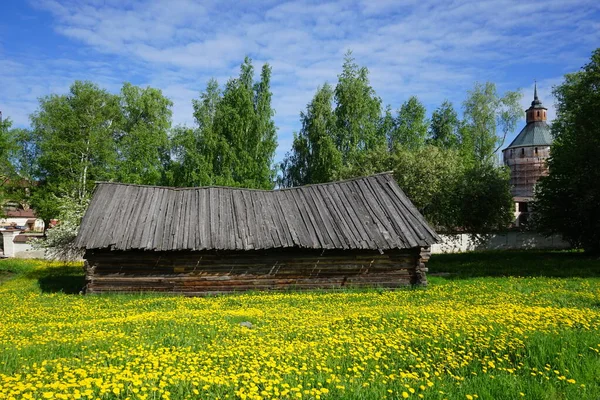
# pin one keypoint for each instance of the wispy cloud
(434, 50)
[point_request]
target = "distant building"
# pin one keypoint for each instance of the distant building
(526, 157)
(21, 219)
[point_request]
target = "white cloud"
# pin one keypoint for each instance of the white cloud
(435, 50)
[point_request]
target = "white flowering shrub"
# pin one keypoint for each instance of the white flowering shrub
(59, 241)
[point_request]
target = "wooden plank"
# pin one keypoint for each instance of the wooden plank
(323, 212)
(151, 222)
(345, 228)
(417, 229)
(251, 234)
(214, 218)
(137, 219)
(413, 211)
(161, 214)
(404, 233)
(120, 237)
(350, 217)
(93, 215)
(102, 237)
(303, 238)
(206, 220)
(371, 204)
(268, 208)
(365, 221)
(311, 227)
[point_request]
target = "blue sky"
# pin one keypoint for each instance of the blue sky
(432, 49)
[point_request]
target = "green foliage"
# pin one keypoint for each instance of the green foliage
(568, 199)
(59, 240)
(452, 195)
(357, 112)
(342, 129)
(449, 176)
(411, 125)
(90, 135)
(235, 140)
(314, 157)
(75, 133)
(18, 154)
(192, 148)
(142, 142)
(484, 113)
(431, 185)
(484, 202)
(6, 168)
(444, 127)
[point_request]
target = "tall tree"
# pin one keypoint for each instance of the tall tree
(444, 127)
(235, 140)
(23, 154)
(484, 202)
(142, 141)
(485, 112)
(245, 131)
(357, 111)
(443, 171)
(568, 199)
(314, 157)
(6, 168)
(411, 125)
(76, 134)
(192, 148)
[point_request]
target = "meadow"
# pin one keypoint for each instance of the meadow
(497, 326)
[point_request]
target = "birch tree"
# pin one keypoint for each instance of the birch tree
(75, 133)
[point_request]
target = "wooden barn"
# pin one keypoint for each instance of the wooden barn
(353, 233)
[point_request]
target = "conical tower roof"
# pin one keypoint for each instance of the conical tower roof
(537, 131)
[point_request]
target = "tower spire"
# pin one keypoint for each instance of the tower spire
(536, 101)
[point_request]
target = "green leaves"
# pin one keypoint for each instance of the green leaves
(484, 113)
(142, 142)
(76, 136)
(340, 129)
(567, 199)
(411, 125)
(235, 139)
(445, 166)
(315, 157)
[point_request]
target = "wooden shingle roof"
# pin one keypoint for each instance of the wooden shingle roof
(361, 213)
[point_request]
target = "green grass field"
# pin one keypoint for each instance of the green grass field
(502, 325)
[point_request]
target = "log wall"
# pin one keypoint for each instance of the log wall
(201, 273)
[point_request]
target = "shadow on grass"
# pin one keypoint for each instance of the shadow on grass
(64, 279)
(554, 264)
(5, 275)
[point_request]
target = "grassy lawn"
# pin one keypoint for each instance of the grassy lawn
(503, 325)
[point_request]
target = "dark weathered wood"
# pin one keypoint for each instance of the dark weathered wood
(204, 272)
(369, 212)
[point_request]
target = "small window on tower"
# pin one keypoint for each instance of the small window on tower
(538, 113)
(522, 152)
(536, 150)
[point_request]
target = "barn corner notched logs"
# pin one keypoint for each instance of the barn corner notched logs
(205, 240)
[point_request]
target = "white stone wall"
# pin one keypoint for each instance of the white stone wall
(497, 241)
